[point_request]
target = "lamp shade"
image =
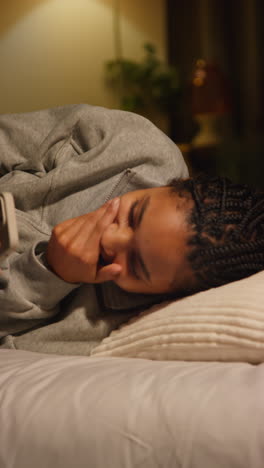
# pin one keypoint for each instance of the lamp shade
(209, 90)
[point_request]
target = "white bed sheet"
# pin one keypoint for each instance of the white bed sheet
(65, 412)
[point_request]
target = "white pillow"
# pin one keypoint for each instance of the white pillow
(221, 324)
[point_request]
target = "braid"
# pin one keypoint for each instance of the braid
(227, 221)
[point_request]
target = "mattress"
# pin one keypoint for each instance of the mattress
(64, 412)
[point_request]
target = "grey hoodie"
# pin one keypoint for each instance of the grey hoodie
(61, 163)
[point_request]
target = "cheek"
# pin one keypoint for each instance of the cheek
(127, 284)
(124, 280)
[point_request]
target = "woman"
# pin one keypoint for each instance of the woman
(86, 264)
(185, 237)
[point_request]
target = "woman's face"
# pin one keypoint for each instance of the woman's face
(148, 239)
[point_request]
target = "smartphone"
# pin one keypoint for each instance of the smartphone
(8, 225)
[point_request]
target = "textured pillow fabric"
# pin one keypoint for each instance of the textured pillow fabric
(221, 324)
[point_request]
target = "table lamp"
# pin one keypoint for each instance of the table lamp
(209, 101)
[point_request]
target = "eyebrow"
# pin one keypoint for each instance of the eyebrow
(139, 219)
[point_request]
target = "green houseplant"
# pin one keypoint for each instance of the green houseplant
(148, 87)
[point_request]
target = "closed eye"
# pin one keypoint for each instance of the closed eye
(136, 264)
(132, 265)
(131, 214)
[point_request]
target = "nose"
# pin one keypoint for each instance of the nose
(116, 239)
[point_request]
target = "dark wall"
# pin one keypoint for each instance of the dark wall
(229, 33)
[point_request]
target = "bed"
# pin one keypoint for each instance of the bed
(191, 396)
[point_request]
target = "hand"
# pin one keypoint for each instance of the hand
(74, 247)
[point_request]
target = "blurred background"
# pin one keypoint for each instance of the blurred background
(194, 67)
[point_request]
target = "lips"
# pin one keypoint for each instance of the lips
(102, 262)
(103, 258)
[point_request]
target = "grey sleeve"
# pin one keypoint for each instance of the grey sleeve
(25, 138)
(29, 292)
(44, 157)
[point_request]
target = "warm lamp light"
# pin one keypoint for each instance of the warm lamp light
(209, 100)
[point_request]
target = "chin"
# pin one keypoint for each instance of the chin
(126, 288)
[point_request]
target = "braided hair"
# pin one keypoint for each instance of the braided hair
(227, 221)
